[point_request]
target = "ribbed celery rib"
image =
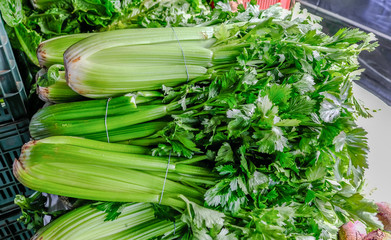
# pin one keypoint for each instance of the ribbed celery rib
(102, 81)
(125, 120)
(136, 221)
(128, 37)
(51, 51)
(117, 62)
(52, 86)
(88, 169)
(107, 64)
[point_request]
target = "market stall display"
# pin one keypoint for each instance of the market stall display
(235, 125)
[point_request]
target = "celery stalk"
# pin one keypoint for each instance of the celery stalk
(82, 127)
(113, 63)
(136, 221)
(125, 120)
(102, 81)
(101, 171)
(140, 130)
(52, 86)
(51, 51)
(144, 141)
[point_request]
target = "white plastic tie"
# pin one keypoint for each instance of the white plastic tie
(183, 54)
(165, 178)
(107, 110)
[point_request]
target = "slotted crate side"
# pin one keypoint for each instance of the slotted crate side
(8, 157)
(6, 177)
(13, 97)
(14, 135)
(7, 194)
(13, 106)
(12, 138)
(10, 228)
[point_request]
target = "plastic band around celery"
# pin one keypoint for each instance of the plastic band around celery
(165, 178)
(107, 109)
(183, 54)
(164, 184)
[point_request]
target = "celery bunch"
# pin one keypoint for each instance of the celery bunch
(136, 221)
(124, 119)
(118, 62)
(276, 123)
(93, 170)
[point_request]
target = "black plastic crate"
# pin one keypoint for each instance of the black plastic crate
(12, 138)
(8, 193)
(13, 98)
(10, 228)
(13, 106)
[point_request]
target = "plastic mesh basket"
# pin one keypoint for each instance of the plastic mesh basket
(12, 138)
(13, 97)
(10, 228)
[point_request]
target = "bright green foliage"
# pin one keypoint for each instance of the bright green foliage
(281, 127)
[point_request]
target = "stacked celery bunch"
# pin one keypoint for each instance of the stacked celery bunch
(240, 130)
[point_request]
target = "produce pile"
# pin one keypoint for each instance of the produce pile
(225, 126)
(30, 22)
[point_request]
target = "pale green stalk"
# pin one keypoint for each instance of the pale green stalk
(91, 144)
(136, 221)
(144, 141)
(103, 81)
(116, 62)
(81, 127)
(52, 86)
(129, 37)
(141, 130)
(124, 117)
(51, 51)
(88, 169)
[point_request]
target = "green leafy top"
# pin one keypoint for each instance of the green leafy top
(280, 128)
